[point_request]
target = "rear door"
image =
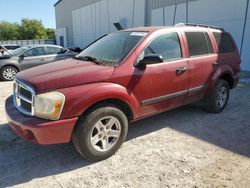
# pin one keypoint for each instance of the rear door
(55, 54)
(202, 61)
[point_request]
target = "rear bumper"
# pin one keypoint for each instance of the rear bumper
(36, 130)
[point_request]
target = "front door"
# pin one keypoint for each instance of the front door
(162, 86)
(33, 57)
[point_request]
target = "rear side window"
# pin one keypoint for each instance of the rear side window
(224, 42)
(167, 45)
(197, 43)
(54, 50)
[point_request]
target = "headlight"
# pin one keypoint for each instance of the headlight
(49, 105)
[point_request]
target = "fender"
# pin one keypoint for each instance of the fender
(221, 70)
(79, 98)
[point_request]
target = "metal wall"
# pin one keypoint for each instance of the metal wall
(92, 21)
(228, 14)
(63, 14)
(86, 20)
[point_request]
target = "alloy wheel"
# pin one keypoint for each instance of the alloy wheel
(105, 134)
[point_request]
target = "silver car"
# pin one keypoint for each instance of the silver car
(29, 56)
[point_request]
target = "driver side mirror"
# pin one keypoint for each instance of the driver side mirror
(150, 59)
(22, 56)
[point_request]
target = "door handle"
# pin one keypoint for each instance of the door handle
(215, 64)
(181, 70)
(42, 59)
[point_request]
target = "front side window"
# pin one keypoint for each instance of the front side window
(113, 48)
(168, 46)
(34, 52)
(197, 43)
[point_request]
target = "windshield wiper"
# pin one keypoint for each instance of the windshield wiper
(89, 58)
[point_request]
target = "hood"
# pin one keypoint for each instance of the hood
(63, 74)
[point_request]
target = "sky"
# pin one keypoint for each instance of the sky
(15, 10)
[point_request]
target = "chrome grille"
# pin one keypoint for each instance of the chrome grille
(23, 98)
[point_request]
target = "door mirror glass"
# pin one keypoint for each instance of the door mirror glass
(150, 59)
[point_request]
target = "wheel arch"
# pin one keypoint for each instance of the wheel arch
(123, 106)
(225, 72)
(10, 65)
(228, 78)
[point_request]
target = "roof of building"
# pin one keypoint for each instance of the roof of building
(57, 2)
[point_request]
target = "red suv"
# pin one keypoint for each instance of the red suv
(120, 78)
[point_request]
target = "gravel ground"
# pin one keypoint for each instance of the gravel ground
(186, 147)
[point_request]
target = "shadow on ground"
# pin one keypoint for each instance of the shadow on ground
(21, 162)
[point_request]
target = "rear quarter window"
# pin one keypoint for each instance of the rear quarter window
(225, 42)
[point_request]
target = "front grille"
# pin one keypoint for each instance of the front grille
(23, 98)
(25, 92)
(26, 105)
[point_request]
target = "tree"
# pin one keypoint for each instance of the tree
(50, 33)
(9, 31)
(32, 29)
(28, 29)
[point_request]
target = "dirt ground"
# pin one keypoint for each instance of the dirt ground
(186, 147)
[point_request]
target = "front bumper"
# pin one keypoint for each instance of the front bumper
(37, 130)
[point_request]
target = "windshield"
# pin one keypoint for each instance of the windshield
(18, 51)
(113, 48)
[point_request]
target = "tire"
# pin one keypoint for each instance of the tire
(100, 133)
(8, 73)
(217, 100)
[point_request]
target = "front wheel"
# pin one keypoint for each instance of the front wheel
(218, 98)
(99, 135)
(8, 73)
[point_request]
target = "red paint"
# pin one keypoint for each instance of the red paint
(85, 84)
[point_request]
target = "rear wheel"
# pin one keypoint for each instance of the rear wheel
(99, 135)
(8, 73)
(218, 99)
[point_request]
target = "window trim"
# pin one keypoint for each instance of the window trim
(165, 61)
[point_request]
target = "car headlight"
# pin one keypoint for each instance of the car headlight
(49, 105)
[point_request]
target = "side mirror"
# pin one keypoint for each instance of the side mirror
(22, 56)
(150, 59)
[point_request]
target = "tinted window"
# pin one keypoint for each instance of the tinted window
(197, 43)
(209, 43)
(224, 42)
(167, 45)
(35, 52)
(53, 50)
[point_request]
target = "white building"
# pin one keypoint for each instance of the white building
(80, 22)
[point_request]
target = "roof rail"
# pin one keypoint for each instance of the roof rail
(198, 25)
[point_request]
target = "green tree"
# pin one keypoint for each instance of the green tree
(28, 29)
(9, 31)
(32, 29)
(50, 33)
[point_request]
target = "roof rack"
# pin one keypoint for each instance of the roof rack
(198, 25)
